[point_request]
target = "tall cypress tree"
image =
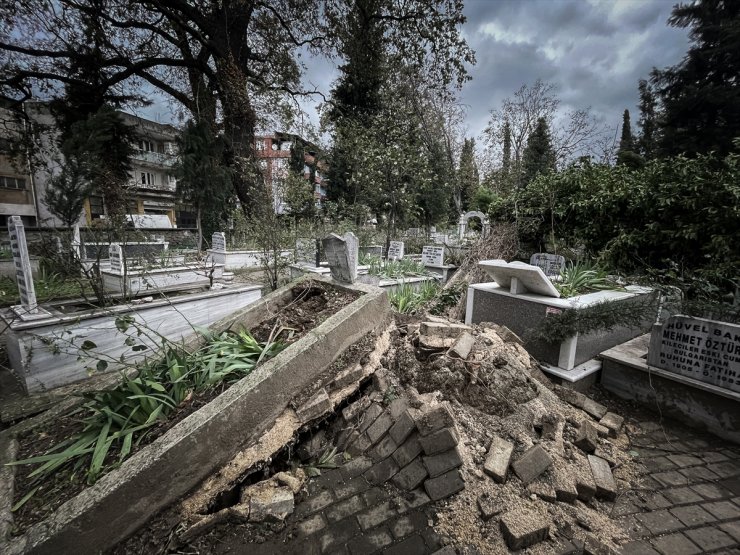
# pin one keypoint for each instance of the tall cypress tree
(626, 155)
(539, 156)
(647, 123)
(701, 95)
(467, 173)
(506, 159)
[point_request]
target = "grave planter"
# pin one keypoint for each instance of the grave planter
(32, 346)
(520, 309)
(393, 285)
(163, 471)
(139, 281)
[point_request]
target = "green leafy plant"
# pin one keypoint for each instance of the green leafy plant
(406, 299)
(326, 461)
(119, 418)
(582, 277)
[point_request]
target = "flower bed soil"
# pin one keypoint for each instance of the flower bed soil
(312, 304)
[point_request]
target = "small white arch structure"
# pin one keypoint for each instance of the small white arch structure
(462, 223)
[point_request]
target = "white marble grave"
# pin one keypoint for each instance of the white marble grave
(433, 256)
(218, 241)
(519, 277)
(28, 309)
(115, 254)
(395, 250)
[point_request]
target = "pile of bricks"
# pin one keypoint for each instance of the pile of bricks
(410, 443)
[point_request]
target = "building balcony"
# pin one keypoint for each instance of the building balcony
(156, 159)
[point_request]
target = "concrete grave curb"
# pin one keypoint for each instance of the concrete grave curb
(120, 502)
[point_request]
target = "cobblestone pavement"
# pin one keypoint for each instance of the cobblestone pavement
(691, 497)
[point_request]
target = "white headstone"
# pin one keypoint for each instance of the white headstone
(22, 262)
(115, 253)
(76, 242)
(519, 277)
(706, 350)
(395, 250)
(341, 254)
(218, 241)
(550, 264)
(433, 256)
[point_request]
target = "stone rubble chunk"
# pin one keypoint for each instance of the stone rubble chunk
(606, 487)
(585, 484)
(571, 397)
(606, 452)
(439, 329)
(434, 418)
(442, 462)
(613, 422)
(397, 407)
(489, 507)
(404, 427)
(602, 431)
(352, 411)
(523, 527)
(411, 476)
(498, 459)
(439, 441)
(445, 485)
(532, 463)
(544, 491)
(369, 416)
(408, 451)
(312, 447)
(270, 503)
(587, 439)
(462, 346)
(564, 483)
(377, 429)
(434, 343)
(348, 376)
(295, 483)
(316, 406)
(593, 408)
(552, 427)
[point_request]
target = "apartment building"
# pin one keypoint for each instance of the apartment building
(273, 153)
(151, 188)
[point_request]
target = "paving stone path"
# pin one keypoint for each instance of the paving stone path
(691, 498)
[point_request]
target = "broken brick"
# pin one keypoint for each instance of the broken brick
(439, 441)
(498, 459)
(532, 463)
(445, 485)
(523, 527)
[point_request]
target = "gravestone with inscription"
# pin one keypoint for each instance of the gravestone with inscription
(706, 350)
(395, 250)
(218, 241)
(22, 262)
(433, 256)
(115, 253)
(341, 254)
(76, 242)
(550, 264)
(519, 277)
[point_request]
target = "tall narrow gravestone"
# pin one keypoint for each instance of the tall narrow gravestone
(218, 241)
(395, 250)
(28, 309)
(341, 254)
(706, 350)
(115, 253)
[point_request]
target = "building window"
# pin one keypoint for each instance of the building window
(7, 182)
(96, 207)
(147, 146)
(147, 179)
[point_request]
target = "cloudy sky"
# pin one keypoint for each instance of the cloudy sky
(593, 51)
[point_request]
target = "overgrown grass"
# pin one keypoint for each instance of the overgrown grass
(393, 269)
(583, 277)
(407, 300)
(48, 287)
(117, 419)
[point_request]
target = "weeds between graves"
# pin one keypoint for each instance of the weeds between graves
(407, 300)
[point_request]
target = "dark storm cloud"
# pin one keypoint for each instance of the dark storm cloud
(593, 52)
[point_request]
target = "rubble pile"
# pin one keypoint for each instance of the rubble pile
(542, 464)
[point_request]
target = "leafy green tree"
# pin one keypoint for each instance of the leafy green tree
(539, 156)
(626, 154)
(66, 193)
(203, 179)
(700, 96)
(648, 124)
(468, 180)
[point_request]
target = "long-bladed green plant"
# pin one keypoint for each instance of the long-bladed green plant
(120, 417)
(406, 299)
(583, 277)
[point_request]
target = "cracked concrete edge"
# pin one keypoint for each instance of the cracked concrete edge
(8, 453)
(120, 502)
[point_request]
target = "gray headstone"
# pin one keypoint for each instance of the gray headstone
(341, 254)
(433, 256)
(705, 350)
(115, 253)
(519, 277)
(76, 242)
(306, 251)
(22, 262)
(218, 241)
(395, 250)
(550, 264)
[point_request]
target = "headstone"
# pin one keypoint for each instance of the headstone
(306, 251)
(706, 350)
(22, 262)
(115, 253)
(395, 250)
(551, 264)
(433, 256)
(218, 241)
(76, 242)
(341, 254)
(519, 277)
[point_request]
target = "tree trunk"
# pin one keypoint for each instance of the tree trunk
(199, 225)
